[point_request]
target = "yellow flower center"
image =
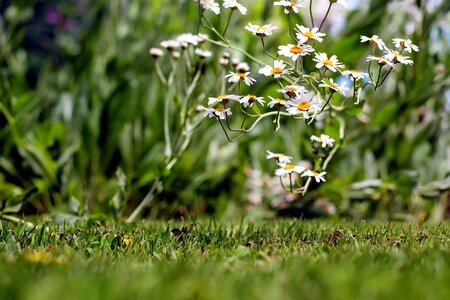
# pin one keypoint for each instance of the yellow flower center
(328, 62)
(309, 34)
(354, 71)
(291, 89)
(315, 173)
(241, 75)
(277, 71)
(218, 109)
(333, 86)
(251, 98)
(402, 43)
(296, 50)
(303, 105)
(280, 100)
(289, 167)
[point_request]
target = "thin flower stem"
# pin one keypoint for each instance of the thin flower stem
(282, 183)
(211, 27)
(369, 71)
(245, 117)
(290, 183)
(291, 30)
(226, 134)
(145, 202)
(326, 16)
(310, 12)
(305, 188)
(187, 59)
(329, 157)
(188, 97)
(228, 125)
(276, 127)
(326, 103)
(265, 49)
(387, 74)
(200, 15)
(160, 73)
(228, 23)
(167, 139)
(237, 49)
(354, 90)
(378, 79)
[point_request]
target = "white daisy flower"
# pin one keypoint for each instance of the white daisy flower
(189, 38)
(156, 52)
(242, 67)
(286, 169)
(295, 51)
(304, 34)
(324, 139)
(302, 104)
(374, 41)
(355, 74)
(316, 175)
(334, 86)
(276, 71)
(279, 156)
(277, 102)
(261, 31)
(233, 4)
(203, 53)
(381, 60)
(222, 99)
(290, 5)
(405, 44)
(323, 61)
(236, 76)
(210, 5)
(291, 91)
(247, 101)
(170, 45)
(395, 57)
(219, 112)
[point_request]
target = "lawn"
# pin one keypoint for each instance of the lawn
(208, 260)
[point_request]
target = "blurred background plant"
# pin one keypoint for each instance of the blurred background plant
(82, 122)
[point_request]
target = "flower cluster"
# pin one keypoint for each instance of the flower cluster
(286, 167)
(300, 95)
(390, 57)
(289, 169)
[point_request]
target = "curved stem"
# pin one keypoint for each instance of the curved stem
(237, 49)
(310, 12)
(378, 79)
(160, 73)
(228, 22)
(326, 16)
(382, 81)
(326, 103)
(329, 157)
(145, 202)
(265, 49)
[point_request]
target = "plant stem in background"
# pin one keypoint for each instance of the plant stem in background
(311, 13)
(326, 16)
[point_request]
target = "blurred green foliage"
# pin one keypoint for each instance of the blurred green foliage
(81, 114)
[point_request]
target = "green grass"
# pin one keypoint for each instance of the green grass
(272, 260)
